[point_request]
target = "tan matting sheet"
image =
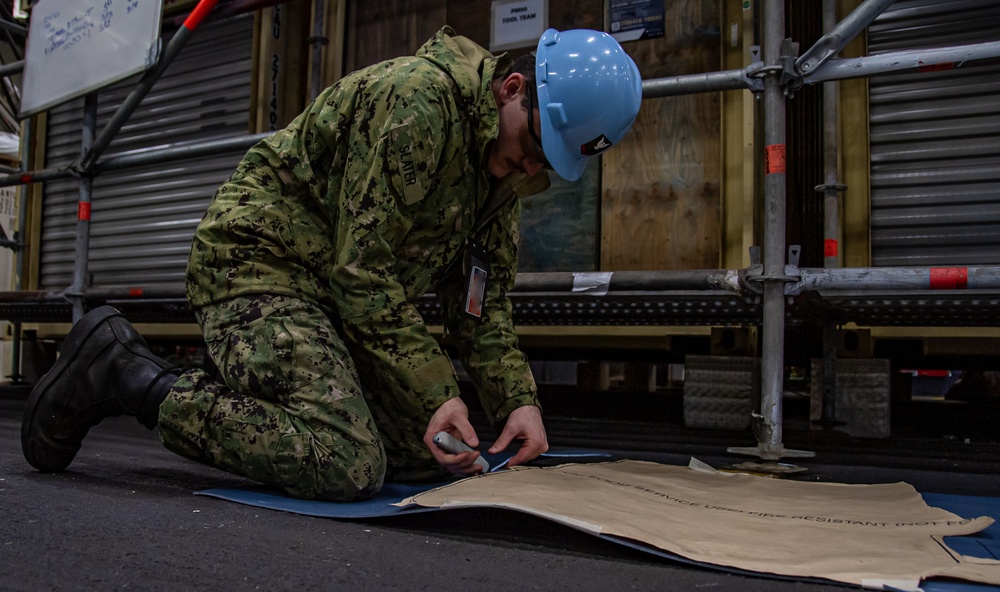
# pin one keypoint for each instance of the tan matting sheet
(867, 535)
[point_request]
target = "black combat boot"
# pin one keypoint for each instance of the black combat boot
(104, 369)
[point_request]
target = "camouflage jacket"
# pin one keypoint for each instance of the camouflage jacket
(366, 202)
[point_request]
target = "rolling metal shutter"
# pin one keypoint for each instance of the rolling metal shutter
(143, 218)
(935, 140)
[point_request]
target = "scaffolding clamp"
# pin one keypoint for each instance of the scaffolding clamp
(750, 282)
(794, 285)
(754, 74)
(84, 166)
(750, 277)
(753, 277)
(790, 79)
(72, 170)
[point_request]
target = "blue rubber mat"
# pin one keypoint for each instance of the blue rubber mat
(375, 507)
(985, 543)
(391, 493)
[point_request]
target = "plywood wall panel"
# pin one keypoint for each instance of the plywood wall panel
(661, 185)
(471, 18)
(576, 14)
(386, 29)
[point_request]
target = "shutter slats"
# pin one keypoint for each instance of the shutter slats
(935, 140)
(143, 218)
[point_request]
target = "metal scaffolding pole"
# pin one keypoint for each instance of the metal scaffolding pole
(735, 281)
(896, 278)
(137, 158)
(698, 83)
(12, 68)
(16, 343)
(887, 63)
(769, 436)
(730, 280)
(77, 288)
(831, 187)
(830, 190)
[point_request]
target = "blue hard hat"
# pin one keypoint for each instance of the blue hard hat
(589, 92)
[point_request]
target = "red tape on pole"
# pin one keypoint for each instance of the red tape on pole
(937, 67)
(949, 278)
(199, 13)
(774, 159)
(83, 210)
(830, 247)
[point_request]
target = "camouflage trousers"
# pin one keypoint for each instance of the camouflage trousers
(296, 407)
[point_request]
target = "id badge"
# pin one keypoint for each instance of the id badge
(477, 271)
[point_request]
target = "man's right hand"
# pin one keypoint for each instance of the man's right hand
(453, 417)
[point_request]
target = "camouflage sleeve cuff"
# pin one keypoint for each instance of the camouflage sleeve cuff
(433, 399)
(512, 403)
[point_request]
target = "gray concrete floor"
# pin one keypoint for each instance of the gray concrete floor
(124, 517)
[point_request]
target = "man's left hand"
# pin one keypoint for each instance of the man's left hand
(524, 424)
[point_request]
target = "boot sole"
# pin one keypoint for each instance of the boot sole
(77, 335)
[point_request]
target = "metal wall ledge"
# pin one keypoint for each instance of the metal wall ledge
(622, 308)
(951, 308)
(932, 308)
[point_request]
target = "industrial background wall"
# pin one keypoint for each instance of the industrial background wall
(144, 218)
(654, 203)
(935, 140)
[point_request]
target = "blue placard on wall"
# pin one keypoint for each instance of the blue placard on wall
(629, 20)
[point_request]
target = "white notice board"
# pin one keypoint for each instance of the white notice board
(518, 23)
(78, 46)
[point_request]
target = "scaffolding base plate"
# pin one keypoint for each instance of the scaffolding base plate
(771, 452)
(766, 468)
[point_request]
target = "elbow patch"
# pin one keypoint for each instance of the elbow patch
(434, 372)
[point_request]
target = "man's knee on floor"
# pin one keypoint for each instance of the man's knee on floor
(341, 474)
(360, 481)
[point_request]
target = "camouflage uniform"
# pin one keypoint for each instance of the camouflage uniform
(304, 269)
